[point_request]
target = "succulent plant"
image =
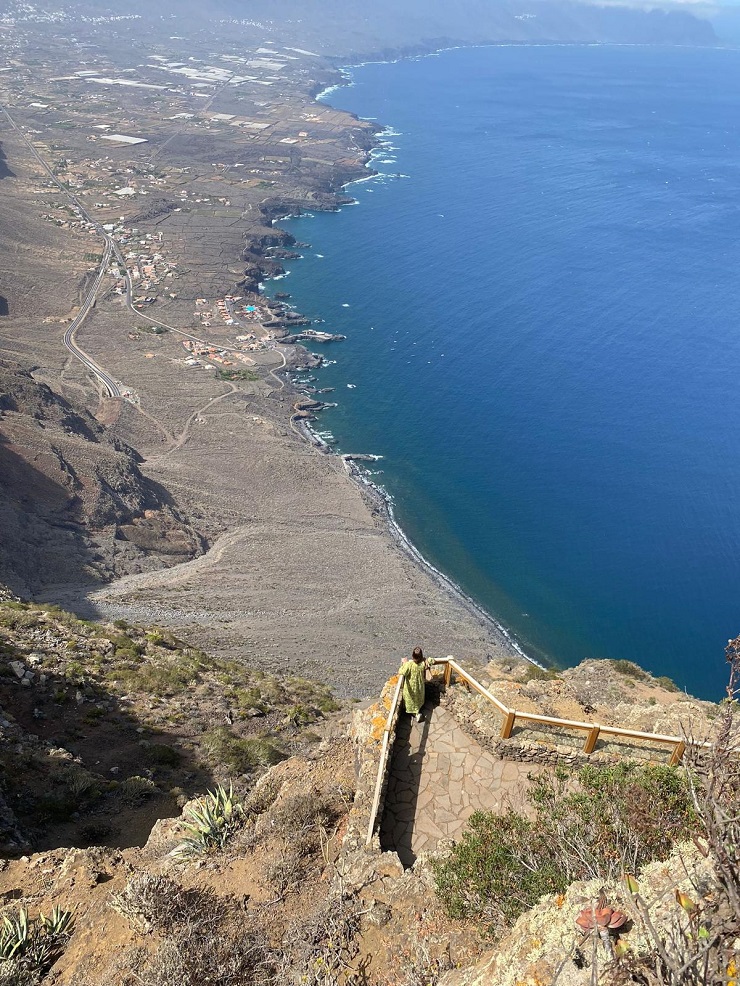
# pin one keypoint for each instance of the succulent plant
(34, 943)
(59, 922)
(210, 822)
(15, 934)
(602, 919)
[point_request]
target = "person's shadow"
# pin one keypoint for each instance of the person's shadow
(404, 780)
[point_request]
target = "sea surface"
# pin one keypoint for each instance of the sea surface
(541, 298)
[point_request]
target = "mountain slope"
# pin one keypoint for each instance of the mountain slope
(74, 506)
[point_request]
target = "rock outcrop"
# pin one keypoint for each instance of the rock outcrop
(74, 504)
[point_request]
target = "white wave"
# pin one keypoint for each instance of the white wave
(356, 181)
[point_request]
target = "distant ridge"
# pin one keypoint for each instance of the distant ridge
(353, 30)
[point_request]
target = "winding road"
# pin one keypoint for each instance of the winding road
(113, 387)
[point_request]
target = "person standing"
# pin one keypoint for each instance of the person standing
(413, 673)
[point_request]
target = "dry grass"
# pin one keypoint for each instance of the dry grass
(204, 938)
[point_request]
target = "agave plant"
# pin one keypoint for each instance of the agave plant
(210, 822)
(34, 944)
(15, 934)
(58, 923)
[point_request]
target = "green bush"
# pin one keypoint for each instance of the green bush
(94, 833)
(300, 715)
(9, 652)
(62, 615)
(629, 669)
(75, 672)
(248, 698)
(125, 646)
(532, 672)
(241, 755)
(500, 867)
(133, 791)
(18, 619)
(162, 638)
(236, 375)
(165, 678)
(161, 755)
(620, 817)
(313, 694)
(596, 823)
(327, 703)
(58, 806)
(668, 683)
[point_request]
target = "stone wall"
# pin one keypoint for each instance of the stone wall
(368, 727)
(484, 725)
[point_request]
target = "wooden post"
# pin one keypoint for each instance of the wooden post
(678, 753)
(508, 725)
(592, 736)
(448, 674)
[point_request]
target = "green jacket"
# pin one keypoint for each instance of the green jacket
(413, 683)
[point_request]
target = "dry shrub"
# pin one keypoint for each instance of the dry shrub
(318, 952)
(154, 902)
(416, 967)
(299, 821)
(12, 975)
(301, 814)
(287, 871)
(262, 796)
(205, 939)
(228, 957)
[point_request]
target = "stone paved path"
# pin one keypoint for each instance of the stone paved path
(438, 777)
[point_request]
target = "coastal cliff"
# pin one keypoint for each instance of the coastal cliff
(111, 732)
(120, 730)
(301, 567)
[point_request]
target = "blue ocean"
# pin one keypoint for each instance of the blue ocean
(541, 298)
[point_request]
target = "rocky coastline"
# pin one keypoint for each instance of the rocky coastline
(263, 267)
(305, 566)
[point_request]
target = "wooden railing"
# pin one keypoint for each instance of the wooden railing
(384, 753)
(592, 730)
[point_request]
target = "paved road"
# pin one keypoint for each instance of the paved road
(113, 387)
